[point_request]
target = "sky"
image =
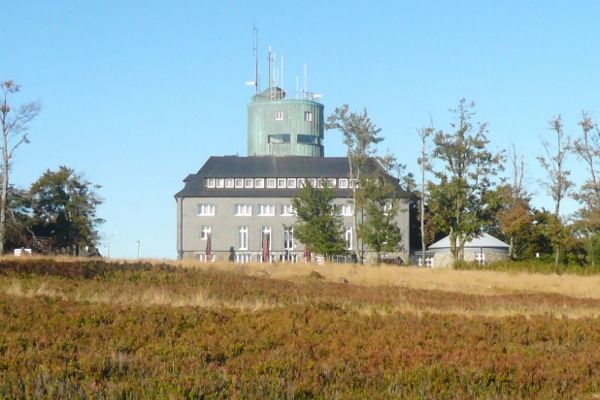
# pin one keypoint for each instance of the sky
(137, 94)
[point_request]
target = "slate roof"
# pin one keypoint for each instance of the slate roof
(484, 240)
(266, 167)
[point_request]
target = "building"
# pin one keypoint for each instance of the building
(482, 249)
(236, 206)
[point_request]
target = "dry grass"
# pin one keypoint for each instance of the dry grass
(151, 296)
(468, 282)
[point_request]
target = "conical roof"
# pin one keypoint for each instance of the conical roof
(483, 240)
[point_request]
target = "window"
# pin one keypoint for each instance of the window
(206, 210)
(229, 183)
(266, 210)
(243, 238)
(288, 238)
(301, 182)
(343, 183)
(239, 183)
(346, 210)
(278, 115)
(259, 183)
(291, 183)
(428, 262)
(312, 181)
(348, 238)
(271, 183)
(210, 182)
(279, 138)
(307, 139)
(281, 183)
(480, 258)
(205, 232)
(265, 237)
(220, 182)
(331, 182)
(249, 183)
(307, 116)
(387, 207)
(287, 210)
(321, 183)
(242, 210)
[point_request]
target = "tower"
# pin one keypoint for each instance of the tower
(282, 126)
(278, 126)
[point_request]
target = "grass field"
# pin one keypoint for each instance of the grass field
(92, 329)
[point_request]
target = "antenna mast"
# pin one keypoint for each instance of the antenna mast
(256, 71)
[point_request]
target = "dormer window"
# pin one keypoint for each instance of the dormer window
(278, 115)
(308, 116)
(210, 182)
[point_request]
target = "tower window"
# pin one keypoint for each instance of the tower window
(307, 139)
(280, 138)
(278, 115)
(308, 116)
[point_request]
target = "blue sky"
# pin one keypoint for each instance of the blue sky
(138, 94)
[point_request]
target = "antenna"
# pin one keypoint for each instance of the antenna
(256, 71)
(305, 77)
(281, 74)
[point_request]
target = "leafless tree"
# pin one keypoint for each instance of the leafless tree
(423, 161)
(14, 133)
(558, 183)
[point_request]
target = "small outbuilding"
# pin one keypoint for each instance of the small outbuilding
(483, 249)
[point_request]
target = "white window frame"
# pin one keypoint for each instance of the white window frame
(287, 210)
(242, 210)
(206, 210)
(301, 182)
(288, 238)
(259, 183)
(308, 116)
(239, 183)
(265, 210)
(229, 183)
(346, 210)
(205, 230)
(248, 183)
(220, 183)
(271, 183)
(243, 238)
(210, 182)
(281, 183)
(348, 233)
(480, 258)
(291, 183)
(279, 115)
(343, 183)
(313, 182)
(331, 182)
(266, 230)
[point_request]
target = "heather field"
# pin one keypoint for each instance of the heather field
(96, 329)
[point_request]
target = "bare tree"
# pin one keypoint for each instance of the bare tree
(558, 183)
(423, 161)
(587, 148)
(14, 133)
(515, 215)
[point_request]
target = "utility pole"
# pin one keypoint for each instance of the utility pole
(138, 249)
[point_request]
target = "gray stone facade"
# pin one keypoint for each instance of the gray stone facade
(239, 222)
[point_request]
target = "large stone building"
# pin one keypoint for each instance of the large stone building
(235, 206)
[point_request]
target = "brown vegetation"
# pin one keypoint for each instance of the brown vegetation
(94, 329)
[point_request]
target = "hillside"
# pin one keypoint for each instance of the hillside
(150, 329)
